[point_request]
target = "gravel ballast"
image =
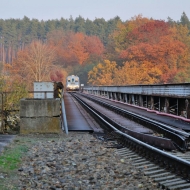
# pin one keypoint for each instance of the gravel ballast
(78, 161)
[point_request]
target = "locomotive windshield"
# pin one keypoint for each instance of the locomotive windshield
(73, 83)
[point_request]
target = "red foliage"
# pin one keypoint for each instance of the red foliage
(150, 32)
(56, 76)
(154, 42)
(75, 48)
(156, 53)
(94, 45)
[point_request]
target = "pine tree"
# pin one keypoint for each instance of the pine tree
(185, 20)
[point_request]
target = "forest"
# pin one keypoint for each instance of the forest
(113, 52)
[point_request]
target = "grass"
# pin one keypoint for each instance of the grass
(10, 160)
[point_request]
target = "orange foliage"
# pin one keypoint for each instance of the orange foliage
(94, 46)
(138, 73)
(34, 63)
(56, 76)
(150, 32)
(156, 43)
(152, 52)
(75, 48)
(121, 42)
(164, 50)
(103, 73)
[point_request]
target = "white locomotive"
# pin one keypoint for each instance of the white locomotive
(72, 83)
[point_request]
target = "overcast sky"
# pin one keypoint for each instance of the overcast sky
(91, 9)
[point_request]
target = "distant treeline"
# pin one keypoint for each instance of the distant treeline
(15, 34)
(114, 52)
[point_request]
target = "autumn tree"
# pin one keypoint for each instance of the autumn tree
(150, 51)
(75, 48)
(135, 72)
(181, 33)
(58, 74)
(150, 32)
(119, 36)
(156, 43)
(94, 47)
(34, 63)
(118, 40)
(103, 73)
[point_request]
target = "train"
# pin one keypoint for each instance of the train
(72, 83)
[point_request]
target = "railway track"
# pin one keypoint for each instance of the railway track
(170, 169)
(165, 178)
(175, 137)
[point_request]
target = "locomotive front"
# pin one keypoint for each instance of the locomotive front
(72, 83)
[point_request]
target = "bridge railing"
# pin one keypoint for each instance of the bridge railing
(173, 99)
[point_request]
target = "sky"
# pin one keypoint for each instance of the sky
(92, 9)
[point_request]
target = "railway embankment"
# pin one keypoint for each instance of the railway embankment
(73, 161)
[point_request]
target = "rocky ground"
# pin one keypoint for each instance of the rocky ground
(78, 161)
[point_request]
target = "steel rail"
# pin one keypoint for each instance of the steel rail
(174, 163)
(180, 138)
(185, 134)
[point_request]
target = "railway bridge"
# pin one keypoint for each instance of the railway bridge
(173, 99)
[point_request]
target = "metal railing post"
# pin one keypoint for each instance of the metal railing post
(63, 114)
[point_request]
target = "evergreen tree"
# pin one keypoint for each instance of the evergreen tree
(185, 20)
(100, 29)
(89, 27)
(171, 22)
(79, 25)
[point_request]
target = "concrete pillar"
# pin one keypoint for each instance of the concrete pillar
(152, 103)
(167, 105)
(140, 100)
(120, 97)
(126, 98)
(107, 94)
(130, 99)
(114, 95)
(133, 99)
(110, 95)
(117, 96)
(40, 116)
